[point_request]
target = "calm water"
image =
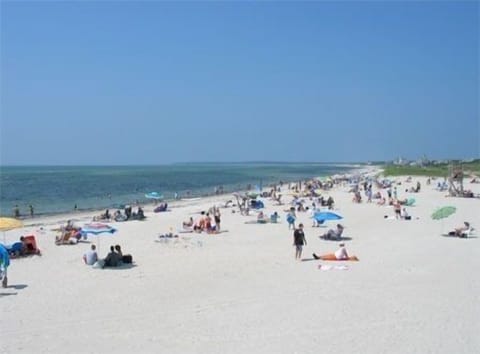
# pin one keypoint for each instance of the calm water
(54, 190)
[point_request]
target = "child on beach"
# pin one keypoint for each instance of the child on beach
(298, 241)
(291, 218)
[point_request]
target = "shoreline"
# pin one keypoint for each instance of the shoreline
(82, 214)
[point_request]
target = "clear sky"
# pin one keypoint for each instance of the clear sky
(161, 82)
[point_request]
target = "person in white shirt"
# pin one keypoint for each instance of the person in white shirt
(91, 256)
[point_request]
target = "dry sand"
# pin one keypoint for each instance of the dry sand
(413, 291)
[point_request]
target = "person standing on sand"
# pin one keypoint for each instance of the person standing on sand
(31, 210)
(216, 216)
(298, 241)
(16, 211)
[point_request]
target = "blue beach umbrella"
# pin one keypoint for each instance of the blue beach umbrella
(154, 195)
(323, 216)
(97, 229)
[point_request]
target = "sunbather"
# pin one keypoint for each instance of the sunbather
(462, 231)
(340, 255)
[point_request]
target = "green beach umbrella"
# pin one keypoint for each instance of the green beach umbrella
(443, 213)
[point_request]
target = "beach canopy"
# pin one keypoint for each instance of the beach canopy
(443, 212)
(322, 216)
(154, 195)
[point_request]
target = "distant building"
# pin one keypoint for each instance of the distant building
(401, 161)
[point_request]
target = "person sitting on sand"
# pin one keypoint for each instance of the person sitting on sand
(113, 258)
(24, 249)
(200, 224)
(91, 256)
(334, 234)
(404, 214)
(140, 214)
(382, 201)
(330, 203)
(340, 255)
(261, 219)
(188, 224)
(274, 218)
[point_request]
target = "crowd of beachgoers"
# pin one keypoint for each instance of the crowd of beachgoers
(317, 221)
(310, 197)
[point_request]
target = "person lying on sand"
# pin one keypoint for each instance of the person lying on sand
(461, 231)
(340, 255)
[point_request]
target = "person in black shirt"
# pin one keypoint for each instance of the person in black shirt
(298, 241)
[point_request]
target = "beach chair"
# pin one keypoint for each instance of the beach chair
(468, 233)
(31, 245)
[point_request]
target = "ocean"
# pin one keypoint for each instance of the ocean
(58, 189)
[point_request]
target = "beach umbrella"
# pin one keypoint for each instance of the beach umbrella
(7, 224)
(97, 229)
(442, 213)
(4, 263)
(410, 201)
(154, 195)
(323, 216)
(252, 195)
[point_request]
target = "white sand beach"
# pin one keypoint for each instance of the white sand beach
(242, 291)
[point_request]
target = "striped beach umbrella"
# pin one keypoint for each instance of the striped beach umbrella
(97, 229)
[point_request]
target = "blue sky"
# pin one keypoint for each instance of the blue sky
(155, 82)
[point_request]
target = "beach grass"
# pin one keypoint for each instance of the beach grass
(437, 170)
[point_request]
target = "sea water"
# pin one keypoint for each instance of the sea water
(60, 189)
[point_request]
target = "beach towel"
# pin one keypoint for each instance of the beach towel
(332, 267)
(332, 257)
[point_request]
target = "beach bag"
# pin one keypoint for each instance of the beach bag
(128, 259)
